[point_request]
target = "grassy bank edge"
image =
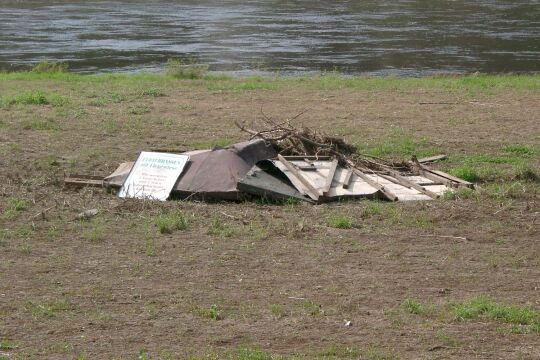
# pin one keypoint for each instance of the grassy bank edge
(328, 81)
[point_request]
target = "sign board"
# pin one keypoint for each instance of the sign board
(153, 176)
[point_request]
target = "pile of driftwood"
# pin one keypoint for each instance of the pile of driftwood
(280, 162)
(291, 142)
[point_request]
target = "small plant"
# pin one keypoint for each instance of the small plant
(39, 124)
(139, 110)
(50, 67)
(185, 69)
(340, 221)
(210, 313)
(483, 307)
(459, 193)
(466, 172)
(47, 309)
(312, 308)
(5, 345)
(519, 150)
(169, 223)
(13, 206)
(412, 306)
(152, 92)
(526, 173)
(277, 310)
(36, 97)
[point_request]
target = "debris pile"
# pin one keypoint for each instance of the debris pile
(279, 162)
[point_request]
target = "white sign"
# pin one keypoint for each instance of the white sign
(153, 176)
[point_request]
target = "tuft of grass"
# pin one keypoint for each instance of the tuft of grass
(39, 124)
(340, 221)
(185, 69)
(412, 306)
(152, 92)
(50, 67)
(5, 345)
(526, 173)
(277, 310)
(47, 309)
(465, 172)
(139, 110)
(13, 206)
(519, 150)
(312, 309)
(459, 193)
(171, 222)
(34, 97)
(210, 313)
(482, 307)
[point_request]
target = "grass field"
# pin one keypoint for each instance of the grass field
(452, 278)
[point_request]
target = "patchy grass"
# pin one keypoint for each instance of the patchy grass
(185, 69)
(482, 307)
(47, 309)
(465, 172)
(168, 223)
(152, 92)
(50, 67)
(412, 306)
(209, 313)
(340, 221)
(13, 206)
(34, 97)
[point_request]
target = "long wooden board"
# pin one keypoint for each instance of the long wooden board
(308, 188)
(387, 193)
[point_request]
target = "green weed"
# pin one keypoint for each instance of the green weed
(312, 309)
(5, 345)
(412, 306)
(526, 173)
(13, 206)
(171, 222)
(340, 221)
(139, 110)
(39, 124)
(519, 150)
(152, 92)
(47, 309)
(185, 69)
(50, 67)
(210, 313)
(277, 310)
(458, 194)
(482, 307)
(465, 172)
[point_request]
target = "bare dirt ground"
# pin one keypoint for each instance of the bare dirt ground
(251, 280)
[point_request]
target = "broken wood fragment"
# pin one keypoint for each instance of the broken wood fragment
(347, 180)
(431, 159)
(84, 180)
(308, 188)
(330, 177)
(387, 193)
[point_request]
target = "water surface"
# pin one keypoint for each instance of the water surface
(375, 37)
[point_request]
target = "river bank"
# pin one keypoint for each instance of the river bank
(452, 278)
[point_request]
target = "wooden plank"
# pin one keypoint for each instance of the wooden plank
(309, 189)
(330, 177)
(387, 193)
(432, 159)
(84, 180)
(347, 180)
(410, 184)
(304, 157)
(450, 177)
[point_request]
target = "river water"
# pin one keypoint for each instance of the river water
(355, 37)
